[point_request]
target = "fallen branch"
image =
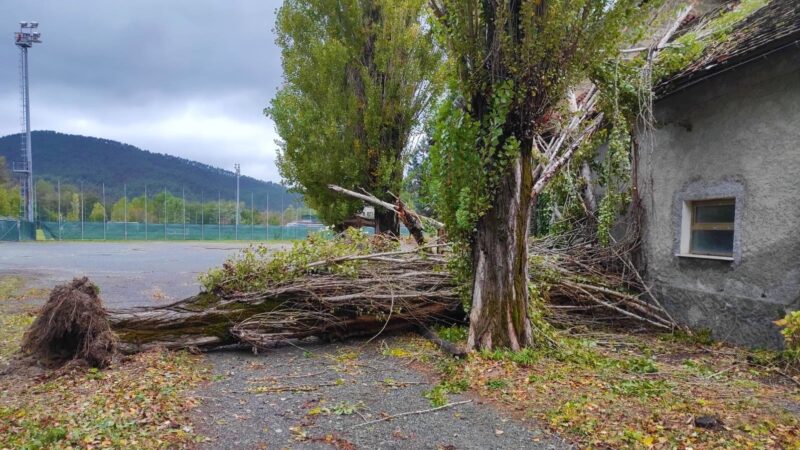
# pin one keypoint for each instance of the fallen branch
(410, 219)
(411, 413)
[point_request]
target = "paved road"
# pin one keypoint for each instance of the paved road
(320, 396)
(129, 273)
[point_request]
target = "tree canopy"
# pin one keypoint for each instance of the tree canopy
(357, 77)
(512, 65)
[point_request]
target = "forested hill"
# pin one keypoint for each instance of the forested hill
(92, 161)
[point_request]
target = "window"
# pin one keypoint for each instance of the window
(710, 230)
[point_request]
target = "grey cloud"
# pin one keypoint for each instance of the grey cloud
(184, 77)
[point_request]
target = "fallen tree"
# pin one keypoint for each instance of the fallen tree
(353, 285)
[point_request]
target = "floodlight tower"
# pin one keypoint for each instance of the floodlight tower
(238, 172)
(24, 39)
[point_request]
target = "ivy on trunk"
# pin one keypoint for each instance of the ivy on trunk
(498, 138)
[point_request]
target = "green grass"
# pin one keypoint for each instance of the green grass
(10, 286)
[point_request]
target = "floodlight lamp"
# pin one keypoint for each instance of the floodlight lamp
(34, 24)
(23, 24)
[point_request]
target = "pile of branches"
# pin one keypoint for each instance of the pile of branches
(587, 283)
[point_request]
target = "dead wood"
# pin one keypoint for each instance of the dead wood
(390, 291)
(586, 280)
(385, 291)
(411, 220)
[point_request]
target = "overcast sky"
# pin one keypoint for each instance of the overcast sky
(185, 77)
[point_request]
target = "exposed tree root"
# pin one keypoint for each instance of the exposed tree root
(72, 326)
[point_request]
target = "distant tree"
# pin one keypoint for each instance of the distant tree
(5, 174)
(357, 76)
(74, 213)
(9, 201)
(98, 213)
(118, 210)
(46, 200)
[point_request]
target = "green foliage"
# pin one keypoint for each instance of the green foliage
(438, 395)
(511, 64)
(691, 45)
(454, 333)
(468, 160)
(790, 328)
(98, 213)
(357, 76)
(639, 365)
(255, 268)
(9, 201)
(497, 383)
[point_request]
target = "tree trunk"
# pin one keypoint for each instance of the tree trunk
(499, 314)
(386, 222)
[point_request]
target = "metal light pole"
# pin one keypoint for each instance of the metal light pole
(165, 213)
(183, 194)
(145, 212)
(59, 209)
(24, 39)
(267, 227)
(202, 217)
(252, 216)
(105, 218)
(125, 207)
(238, 171)
(80, 204)
(219, 216)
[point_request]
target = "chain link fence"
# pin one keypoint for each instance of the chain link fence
(16, 230)
(20, 230)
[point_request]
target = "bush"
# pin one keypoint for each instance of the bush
(791, 334)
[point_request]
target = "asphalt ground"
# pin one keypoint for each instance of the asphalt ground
(128, 273)
(317, 396)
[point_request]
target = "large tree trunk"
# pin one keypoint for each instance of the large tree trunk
(499, 314)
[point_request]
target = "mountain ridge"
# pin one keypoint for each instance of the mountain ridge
(94, 161)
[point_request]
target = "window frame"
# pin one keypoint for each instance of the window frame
(689, 224)
(711, 226)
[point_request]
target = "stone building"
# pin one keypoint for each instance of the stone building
(719, 179)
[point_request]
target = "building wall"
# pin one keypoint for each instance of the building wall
(733, 135)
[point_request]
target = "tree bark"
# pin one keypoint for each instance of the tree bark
(499, 315)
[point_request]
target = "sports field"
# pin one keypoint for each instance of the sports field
(128, 273)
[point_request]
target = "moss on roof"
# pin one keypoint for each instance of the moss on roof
(728, 35)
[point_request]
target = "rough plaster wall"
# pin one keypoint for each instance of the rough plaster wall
(737, 134)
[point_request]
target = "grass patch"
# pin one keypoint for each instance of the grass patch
(141, 404)
(12, 327)
(636, 391)
(438, 395)
(641, 388)
(9, 286)
(456, 334)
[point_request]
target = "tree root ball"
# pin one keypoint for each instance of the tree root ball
(72, 326)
